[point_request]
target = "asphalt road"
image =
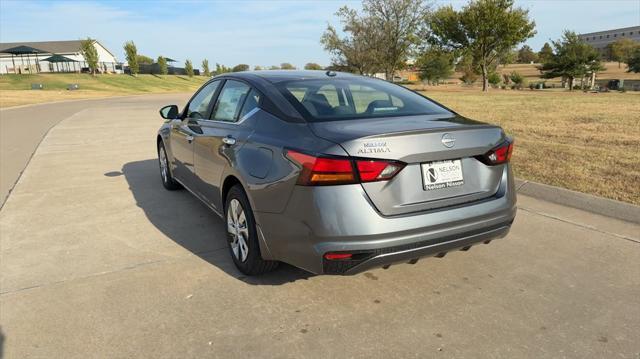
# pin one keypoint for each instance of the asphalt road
(98, 261)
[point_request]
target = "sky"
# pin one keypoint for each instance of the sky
(253, 32)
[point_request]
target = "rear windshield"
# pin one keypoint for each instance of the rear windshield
(347, 99)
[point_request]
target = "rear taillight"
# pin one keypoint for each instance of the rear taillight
(333, 170)
(498, 155)
(376, 170)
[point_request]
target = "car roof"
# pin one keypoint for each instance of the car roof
(275, 76)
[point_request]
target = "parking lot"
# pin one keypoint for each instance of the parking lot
(98, 260)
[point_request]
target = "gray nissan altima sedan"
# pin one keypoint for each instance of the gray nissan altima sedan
(336, 173)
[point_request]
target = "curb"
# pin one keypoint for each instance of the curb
(603, 206)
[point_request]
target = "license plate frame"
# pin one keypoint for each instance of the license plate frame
(441, 174)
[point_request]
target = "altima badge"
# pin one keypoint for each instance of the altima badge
(448, 140)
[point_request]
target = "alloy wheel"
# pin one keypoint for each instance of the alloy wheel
(164, 167)
(238, 230)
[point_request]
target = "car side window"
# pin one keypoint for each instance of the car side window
(230, 101)
(252, 102)
(199, 105)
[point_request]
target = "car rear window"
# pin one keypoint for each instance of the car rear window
(347, 99)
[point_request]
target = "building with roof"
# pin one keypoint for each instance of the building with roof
(601, 39)
(68, 49)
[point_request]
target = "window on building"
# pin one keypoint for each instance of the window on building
(623, 34)
(615, 35)
(607, 36)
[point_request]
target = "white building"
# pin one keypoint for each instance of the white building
(601, 39)
(70, 49)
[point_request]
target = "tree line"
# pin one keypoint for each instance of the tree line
(134, 60)
(387, 34)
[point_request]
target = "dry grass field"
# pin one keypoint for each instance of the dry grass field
(587, 142)
(532, 74)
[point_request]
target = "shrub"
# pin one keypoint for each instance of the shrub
(494, 79)
(469, 77)
(506, 79)
(517, 79)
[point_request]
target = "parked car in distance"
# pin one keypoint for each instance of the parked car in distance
(336, 173)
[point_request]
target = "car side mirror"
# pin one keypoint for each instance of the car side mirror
(169, 112)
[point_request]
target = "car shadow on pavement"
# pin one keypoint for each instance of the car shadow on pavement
(189, 223)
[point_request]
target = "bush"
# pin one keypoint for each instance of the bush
(506, 79)
(517, 79)
(494, 79)
(469, 77)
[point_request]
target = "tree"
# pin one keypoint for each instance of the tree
(90, 54)
(396, 23)
(622, 49)
(572, 58)
(205, 68)
(356, 52)
(545, 52)
(506, 57)
(312, 66)
(258, 68)
(274, 67)
(162, 64)
(287, 66)
(484, 29)
(131, 54)
(435, 65)
(221, 69)
(382, 38)
(240, 67)
(526, 55)
(633, 62)
(188, 68)
(142, 59)
(468, 68)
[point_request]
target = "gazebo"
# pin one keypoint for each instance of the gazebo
(57, 59)
(24, 50)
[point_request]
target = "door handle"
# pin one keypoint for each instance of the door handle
(229, 141)
(189, 138)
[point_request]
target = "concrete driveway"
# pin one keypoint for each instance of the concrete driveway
(97, 260)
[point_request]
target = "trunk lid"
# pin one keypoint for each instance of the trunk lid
(419, 140)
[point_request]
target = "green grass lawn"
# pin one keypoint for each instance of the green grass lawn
(125, 83)
(16, 89)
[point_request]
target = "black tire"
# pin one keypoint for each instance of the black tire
(165, 171)
(248, 260)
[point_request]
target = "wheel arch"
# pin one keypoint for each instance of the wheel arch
(229, 182)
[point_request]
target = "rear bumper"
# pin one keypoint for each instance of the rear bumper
(403, 254)
(318, 220)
